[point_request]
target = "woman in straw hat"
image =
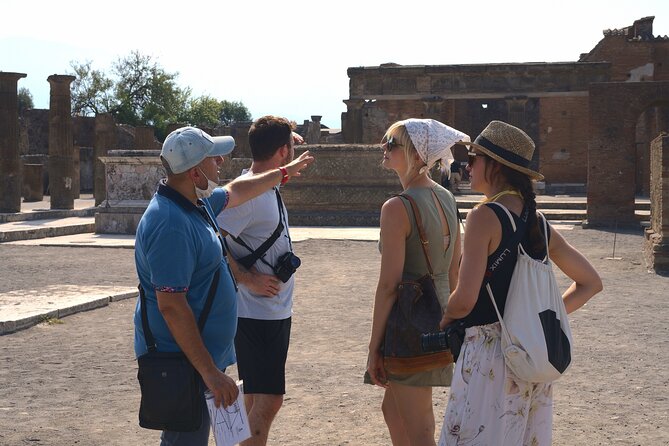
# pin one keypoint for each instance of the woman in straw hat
(488, 404)
(410, 148)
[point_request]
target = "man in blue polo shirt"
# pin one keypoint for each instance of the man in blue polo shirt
(177, 253)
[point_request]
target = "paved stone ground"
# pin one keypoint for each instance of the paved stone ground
(74, 382)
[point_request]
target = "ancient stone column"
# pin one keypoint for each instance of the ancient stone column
(61, 143)
(105, 140)
(10, 160)
(314, 130)
(352, 123)
(144, 137)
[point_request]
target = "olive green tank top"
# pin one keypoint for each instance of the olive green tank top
(414, 261)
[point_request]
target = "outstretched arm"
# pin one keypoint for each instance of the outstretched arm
(243, 189)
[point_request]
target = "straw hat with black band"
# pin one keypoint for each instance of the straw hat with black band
(508, 145)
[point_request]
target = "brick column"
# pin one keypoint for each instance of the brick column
(105, 140)
(10, 160)
(656, 237)
(61, 143)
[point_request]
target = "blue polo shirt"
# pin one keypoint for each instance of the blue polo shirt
(177, 250)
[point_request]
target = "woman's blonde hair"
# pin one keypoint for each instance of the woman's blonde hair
(400, 135)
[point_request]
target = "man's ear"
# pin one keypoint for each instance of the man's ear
(283, 151)
(194, 173)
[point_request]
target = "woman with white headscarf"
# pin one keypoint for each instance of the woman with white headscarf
(410, 148)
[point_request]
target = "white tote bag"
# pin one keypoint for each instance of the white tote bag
(536, 339)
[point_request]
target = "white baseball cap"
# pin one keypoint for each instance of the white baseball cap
(186, 147)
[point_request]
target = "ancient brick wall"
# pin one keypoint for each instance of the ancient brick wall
(634, 52)
(563, 138)
(615, 108)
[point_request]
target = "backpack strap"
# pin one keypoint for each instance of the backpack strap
(512, 243)
(493, 264)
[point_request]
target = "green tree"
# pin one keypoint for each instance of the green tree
(204, 111)
(207, 111)
(25, 100)
(92, 91)
(140, 92)
(146, 94)
(233, 111)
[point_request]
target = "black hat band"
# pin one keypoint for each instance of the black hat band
(502, 152)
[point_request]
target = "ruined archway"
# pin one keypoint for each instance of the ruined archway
(615, 108)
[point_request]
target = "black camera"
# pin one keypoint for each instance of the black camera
(286, 265)
(449, 339)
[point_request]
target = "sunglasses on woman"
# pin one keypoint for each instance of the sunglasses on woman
(472, 157)
(389, 144)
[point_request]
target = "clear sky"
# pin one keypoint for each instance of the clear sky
(290, 58)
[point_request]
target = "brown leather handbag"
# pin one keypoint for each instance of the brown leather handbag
(415, 312)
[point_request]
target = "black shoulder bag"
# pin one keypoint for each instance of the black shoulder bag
(172, 393)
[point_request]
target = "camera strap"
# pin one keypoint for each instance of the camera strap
(258, 254)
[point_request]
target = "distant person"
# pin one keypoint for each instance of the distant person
(177, 253)
(445, 169)
(488, 404)
(259, 240)
(410, 148)
(456, 176)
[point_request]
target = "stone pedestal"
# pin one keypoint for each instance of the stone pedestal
(61, 144)
(345, 187)
(10, 159)
(33, 185)
(132, 178)
(656, 240)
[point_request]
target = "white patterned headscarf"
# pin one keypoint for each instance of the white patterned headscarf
(433, 140)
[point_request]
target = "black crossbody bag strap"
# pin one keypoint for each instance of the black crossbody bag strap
(148, 335)
(250, 259)
(512, 243)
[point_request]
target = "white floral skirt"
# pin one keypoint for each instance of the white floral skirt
(488, 404)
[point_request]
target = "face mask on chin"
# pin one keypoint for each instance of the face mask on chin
(205, 193)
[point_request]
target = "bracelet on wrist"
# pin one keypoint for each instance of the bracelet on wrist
(284, 173)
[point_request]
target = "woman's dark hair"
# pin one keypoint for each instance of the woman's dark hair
(523, 184)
